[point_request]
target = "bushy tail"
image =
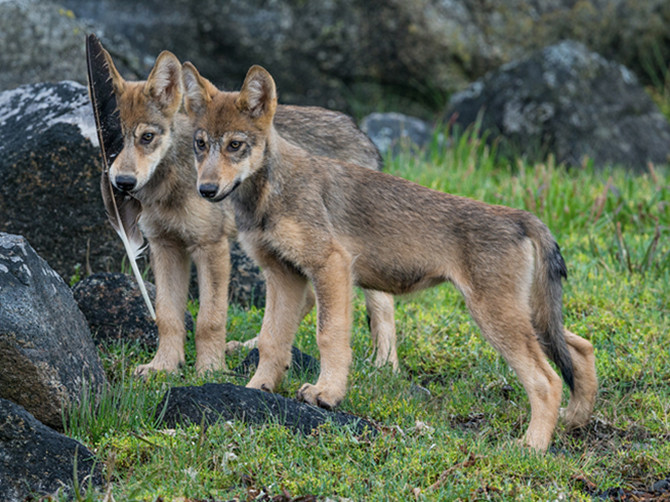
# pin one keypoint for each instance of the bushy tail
(547, 299)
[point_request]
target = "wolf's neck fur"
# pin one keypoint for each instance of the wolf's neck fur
(252, 197)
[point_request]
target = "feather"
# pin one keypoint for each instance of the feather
(123, 210)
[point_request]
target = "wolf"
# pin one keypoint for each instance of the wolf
(156, 167)
(306, 218)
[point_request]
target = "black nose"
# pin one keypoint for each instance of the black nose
(125, 182)
(208, 190)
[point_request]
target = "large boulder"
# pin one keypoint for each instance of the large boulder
(50, 166)
(571, 102)
(353, 55)
(40, 41)
(36, 460)
(47, 356)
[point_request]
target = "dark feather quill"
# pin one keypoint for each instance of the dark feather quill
(122, 209)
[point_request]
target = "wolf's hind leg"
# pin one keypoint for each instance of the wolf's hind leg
(170, 264)
(583, 397)
(507, 326)
(213, 264)
(380, 307)
(285, 298)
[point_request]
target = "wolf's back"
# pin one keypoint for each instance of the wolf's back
(327, 133)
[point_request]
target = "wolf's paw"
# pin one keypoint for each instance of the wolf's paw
(319, 396)
(260, 384)
(169, 366)
(391, 358)
(233, 345)
(575, 417)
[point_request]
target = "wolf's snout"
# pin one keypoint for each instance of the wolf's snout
(208, 190)
(125, 182)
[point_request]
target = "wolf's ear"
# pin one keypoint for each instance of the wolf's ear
(118, 82)
(165, 82)
(197, 90)
(258, 95)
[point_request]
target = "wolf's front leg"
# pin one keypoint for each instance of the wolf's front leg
(170, 264)
(333, 286)
(213, 264)
(284, 299)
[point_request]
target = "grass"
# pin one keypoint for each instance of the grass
(450, 418)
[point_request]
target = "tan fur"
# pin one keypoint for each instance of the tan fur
(307, 218)
(157, 160)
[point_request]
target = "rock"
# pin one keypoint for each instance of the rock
(115, 310)
(352, 55)
(392, 132)
(47, 357)
(50, 167)
(247, 284)
(300, 362)
(662, 486)
(570, 102)
(36, 460)
(40, 41)
(211, 403)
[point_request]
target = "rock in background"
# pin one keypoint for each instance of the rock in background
(42, 41)
(47, 357)
(571, 102)
(353, 55)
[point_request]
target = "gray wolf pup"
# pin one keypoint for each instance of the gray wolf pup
(308, 218)
(156, 167)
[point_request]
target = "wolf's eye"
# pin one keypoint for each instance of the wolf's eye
(200, 144)
(147, 138)
(234, 146)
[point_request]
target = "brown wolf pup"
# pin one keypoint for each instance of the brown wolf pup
(307, 218)
(156, 167)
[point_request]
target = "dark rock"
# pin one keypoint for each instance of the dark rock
(392, 132)
(570, 102)
(36, 460)
(661, 486)
(115, 310)
(300, 362)
(211, 403)
(50, 167)
(47, 357)
(247, 284)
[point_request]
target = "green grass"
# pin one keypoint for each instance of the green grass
(457, 442)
